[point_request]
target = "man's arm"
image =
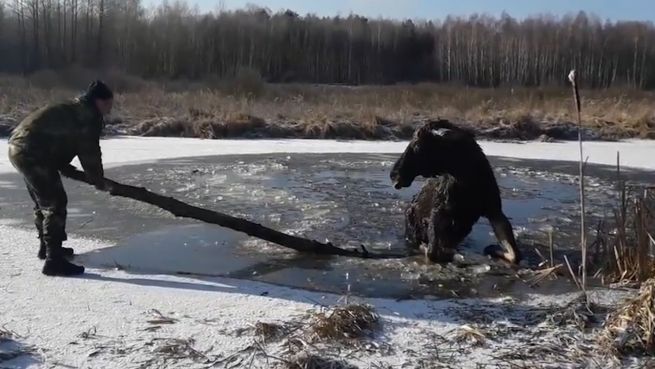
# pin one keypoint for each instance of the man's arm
(90, 157)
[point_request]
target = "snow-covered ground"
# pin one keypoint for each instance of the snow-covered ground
(124, 150)
(110, 318)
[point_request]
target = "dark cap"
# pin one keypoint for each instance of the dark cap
(98, 90)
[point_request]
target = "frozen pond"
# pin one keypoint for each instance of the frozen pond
(344, 198)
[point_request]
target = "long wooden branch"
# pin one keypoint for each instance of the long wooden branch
(184, 210)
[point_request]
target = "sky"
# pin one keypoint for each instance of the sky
(438, 9)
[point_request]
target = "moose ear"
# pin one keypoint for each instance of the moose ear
(441, 132)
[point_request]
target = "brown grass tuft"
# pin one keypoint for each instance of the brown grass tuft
(624, 254)
(470, 334)
(580, 313)
(177, 349)
(269, 331)
(631, 328)
(345, 322)
(248, 107)
(310, 361)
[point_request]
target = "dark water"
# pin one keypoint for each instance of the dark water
(344, 198)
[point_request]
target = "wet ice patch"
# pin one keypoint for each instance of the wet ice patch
(7, 185)
(343, 198)
(347, 200)
(10, 221)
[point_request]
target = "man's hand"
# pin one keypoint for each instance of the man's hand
(68, 170)
(101, 185)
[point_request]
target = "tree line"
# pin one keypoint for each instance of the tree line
(176, 41)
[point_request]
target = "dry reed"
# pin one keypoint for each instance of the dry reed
(368, 112)
(311, 361)
(630, 330)
(345, 322)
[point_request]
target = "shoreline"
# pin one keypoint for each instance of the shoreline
(121, 150)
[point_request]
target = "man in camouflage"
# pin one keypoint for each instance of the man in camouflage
(43, 145)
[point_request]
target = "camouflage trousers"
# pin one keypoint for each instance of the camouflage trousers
(44, 185)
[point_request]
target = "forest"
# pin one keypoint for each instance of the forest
(176, 41)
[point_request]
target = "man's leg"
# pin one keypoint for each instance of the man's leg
(38, 222)
(46, 186)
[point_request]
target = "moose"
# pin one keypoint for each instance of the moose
(461, 188)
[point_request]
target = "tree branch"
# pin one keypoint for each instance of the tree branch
(183, 210)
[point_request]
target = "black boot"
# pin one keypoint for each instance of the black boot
(61, 267)
(65, 251)
(57, 265)
(38, 222)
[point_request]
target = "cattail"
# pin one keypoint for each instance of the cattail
(583, 240)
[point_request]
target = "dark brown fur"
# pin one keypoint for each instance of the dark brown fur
(462, 188)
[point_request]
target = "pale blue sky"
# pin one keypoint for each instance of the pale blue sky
(437, 9)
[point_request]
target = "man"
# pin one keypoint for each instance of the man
(44, 144)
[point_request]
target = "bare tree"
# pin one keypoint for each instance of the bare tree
(175, 41)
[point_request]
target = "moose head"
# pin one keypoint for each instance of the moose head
(437, 147)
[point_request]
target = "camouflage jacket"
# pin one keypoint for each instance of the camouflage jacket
(55, 134)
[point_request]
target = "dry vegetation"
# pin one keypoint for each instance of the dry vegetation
(622, 248)
(626, 255)
(347, 322)
(310, 361)
(631, 328)
(314, 341)
(247, 107)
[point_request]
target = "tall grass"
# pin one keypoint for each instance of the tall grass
(624, 245)
(317, 111)
(625, 252)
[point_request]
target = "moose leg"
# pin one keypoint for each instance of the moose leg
(505, 236)
(442, 237)
(412, 229)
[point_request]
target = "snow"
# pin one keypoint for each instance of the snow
(101, 320)
(50, 313)
(70, 322)
(124, 150)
